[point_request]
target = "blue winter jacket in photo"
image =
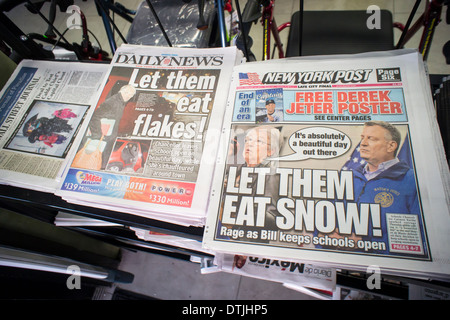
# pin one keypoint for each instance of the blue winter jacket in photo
(396, 192)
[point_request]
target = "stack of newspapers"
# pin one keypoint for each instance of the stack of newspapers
(328, 161)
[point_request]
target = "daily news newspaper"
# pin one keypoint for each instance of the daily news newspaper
(42, 108)
(336, 160)
(151, 143)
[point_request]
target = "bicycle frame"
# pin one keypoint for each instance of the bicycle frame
(103, 8)
(429, 20)
(24, 47)
(270, 27)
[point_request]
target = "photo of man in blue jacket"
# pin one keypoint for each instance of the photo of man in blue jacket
(383, 178)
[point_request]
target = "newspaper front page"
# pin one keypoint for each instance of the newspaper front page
(151, 144)
(335, 160)
(42, 108)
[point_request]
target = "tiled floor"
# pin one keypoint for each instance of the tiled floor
(169, 278)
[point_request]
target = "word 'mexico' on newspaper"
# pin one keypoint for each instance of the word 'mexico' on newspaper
(334, 160)
(151, 142)
(43, 107)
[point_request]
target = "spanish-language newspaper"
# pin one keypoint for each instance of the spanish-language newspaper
(283, 271)
(333, 159)
(42, 108)
(151, 143)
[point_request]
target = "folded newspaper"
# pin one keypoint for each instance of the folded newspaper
(283, 271)
(335, 160)
(42, 108)
(151, 143)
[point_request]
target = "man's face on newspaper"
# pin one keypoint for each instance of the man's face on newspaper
(257, 147)
(376, 147)
(127, 92)
(270, 107)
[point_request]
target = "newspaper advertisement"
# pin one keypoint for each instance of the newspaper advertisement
(42, 108)
(153, 136)
(324, 159)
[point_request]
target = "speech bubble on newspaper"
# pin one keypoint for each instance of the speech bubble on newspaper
(316, 143)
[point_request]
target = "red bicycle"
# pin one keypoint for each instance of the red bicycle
(428, 20)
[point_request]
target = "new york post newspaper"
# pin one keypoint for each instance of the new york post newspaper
(334, 160)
